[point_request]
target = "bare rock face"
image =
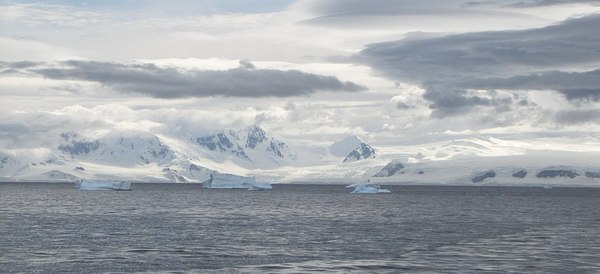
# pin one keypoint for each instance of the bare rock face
(521, 173)
(363, 151)
(556, 172)
(478, 178)
(592, 174)
(390, 169)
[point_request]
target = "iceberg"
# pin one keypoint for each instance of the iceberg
(260, 187)
(368, 188)
(104, 185)
(224, 180)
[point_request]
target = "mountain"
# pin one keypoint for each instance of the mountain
(141, 156)
(139, 149)
(252, 151)
(222, 142)
(352, 148)
(345, 146)
(533, 168)
(253, 145)
(8, 165)
(363, 151)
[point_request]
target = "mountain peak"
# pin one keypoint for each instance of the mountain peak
(342, 147)
(252, 144)
(256, 135)
(362, 152)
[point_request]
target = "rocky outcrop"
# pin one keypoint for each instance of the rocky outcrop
(362, 152)
(478, 178)
(557, 172)
(520, 173)
(592, 174)
(390, 169)
(221, 143)
(174, 176)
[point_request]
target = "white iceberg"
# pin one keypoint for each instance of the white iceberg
(368, 188)
(223, 180)
(104, 185)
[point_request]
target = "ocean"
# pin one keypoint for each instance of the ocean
(54, 227)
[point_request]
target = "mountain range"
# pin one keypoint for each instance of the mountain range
(253, 151)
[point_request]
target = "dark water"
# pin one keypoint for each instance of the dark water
(294, 228)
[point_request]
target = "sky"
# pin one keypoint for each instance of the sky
(314, 71)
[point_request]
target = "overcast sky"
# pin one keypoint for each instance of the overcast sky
(390, 71)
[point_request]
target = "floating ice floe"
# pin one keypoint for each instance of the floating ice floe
(104, 185)
(223, 180)
(260, 187)
(368, 188)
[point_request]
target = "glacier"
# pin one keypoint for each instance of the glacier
(103, 185)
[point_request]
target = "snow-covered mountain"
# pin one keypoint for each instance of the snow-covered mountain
(363, 151)
(252, 145)
(8, 165)
(141, 156)
(352, 148)
(118, 150)
(484, 160)
(345, 146)
(252, 151)
(536, 168)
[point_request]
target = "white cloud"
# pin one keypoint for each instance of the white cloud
(315, 37)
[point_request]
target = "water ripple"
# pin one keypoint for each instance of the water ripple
(298, 229)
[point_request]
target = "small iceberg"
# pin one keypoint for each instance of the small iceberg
(224, 180)
(260, 187)
(104, 185)
(368, 188)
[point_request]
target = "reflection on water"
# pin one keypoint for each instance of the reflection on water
(164, 227)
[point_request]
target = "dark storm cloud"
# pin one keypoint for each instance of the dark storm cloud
(537, 59)
(155, 81)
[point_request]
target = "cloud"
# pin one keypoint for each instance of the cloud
(333, 8)
(452, 102)
(549, 58)
(425, 15)
(574, 85)
(578, 116)
(159, 82)
(539, 3)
